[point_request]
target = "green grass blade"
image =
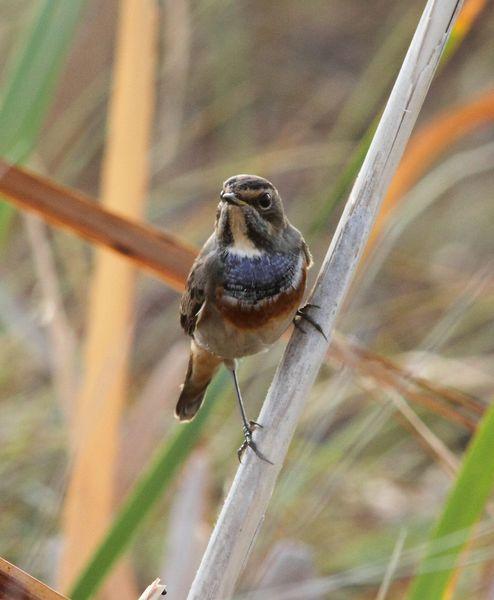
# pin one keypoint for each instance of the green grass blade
(147, 491)
(31, 83)
(466, 502)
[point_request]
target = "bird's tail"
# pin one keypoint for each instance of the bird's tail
(202, 367)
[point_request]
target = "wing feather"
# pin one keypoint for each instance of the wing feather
(198, 281)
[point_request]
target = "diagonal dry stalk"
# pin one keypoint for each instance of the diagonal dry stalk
(248, 499)
(150, 248)
(388, 375)
(16, 584)
(355, 354)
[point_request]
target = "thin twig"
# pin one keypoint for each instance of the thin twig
(61, 335)
(390, 378)
(392, 567)
(246, 504)
(431, 442)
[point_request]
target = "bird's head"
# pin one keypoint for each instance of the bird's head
(250, 214)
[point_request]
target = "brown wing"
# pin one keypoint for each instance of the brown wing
(192, 301)
(196, 286)
(294, 239)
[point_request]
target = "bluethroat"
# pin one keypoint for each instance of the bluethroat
(243, 291)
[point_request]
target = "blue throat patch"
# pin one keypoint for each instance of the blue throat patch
(254, 278)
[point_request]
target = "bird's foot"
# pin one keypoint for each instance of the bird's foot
(303, 314)
(249, 442)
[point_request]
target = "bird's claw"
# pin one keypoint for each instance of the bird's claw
(302, 313)
(310, 305)
(249, 443)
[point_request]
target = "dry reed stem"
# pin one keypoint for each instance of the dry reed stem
(247, 501)
(95, 429)
(16, 584)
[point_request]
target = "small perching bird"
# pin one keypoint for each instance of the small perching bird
(243, 291)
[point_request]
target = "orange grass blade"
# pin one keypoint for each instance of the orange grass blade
(16, 584)
(90, 500)
(469, 14)
(427, 145)
(156, 251)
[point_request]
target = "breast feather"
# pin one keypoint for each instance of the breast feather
(251, 309)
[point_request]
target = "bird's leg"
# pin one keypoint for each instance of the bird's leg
(302, 314)
(248, 426)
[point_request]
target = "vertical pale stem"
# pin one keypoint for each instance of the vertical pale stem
(246, 504)
(60, 334)
(95, 428)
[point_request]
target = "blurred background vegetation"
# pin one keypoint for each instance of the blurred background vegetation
(288, 91)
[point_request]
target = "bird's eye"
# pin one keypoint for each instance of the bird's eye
(264, 201)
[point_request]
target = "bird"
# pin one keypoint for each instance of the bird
(243, 291)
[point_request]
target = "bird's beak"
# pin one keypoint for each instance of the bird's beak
(230, 198)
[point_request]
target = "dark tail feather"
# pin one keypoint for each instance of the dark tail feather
(202, 367)
(189, 403)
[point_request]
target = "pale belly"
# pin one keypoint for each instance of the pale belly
(223, 338)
